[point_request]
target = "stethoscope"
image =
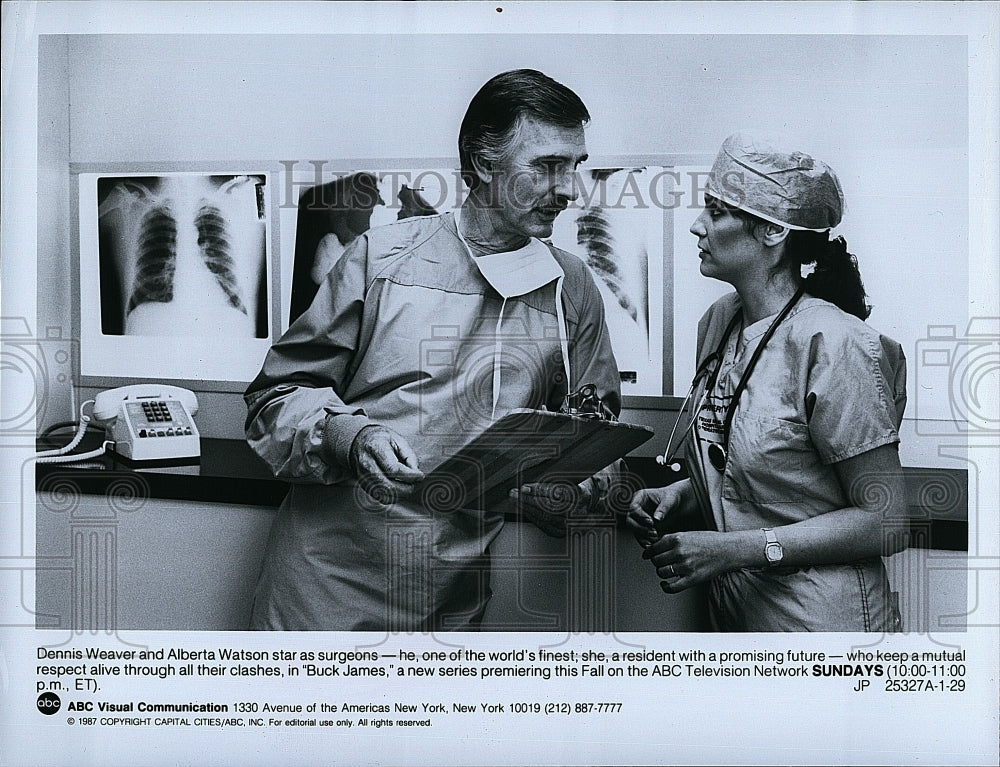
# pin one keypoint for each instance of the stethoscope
(708, 373)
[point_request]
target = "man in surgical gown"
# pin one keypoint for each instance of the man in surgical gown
(423, 333)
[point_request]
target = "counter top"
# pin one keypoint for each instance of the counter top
(230, 473)
(227, 472)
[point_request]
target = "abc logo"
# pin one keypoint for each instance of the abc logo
(48, 703)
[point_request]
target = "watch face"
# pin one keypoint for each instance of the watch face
(773, 552)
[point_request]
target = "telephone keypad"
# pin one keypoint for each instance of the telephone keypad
(156, 411)
(160, 422)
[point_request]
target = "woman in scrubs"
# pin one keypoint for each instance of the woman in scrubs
(792, 447)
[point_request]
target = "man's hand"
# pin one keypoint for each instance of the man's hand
(550, 505)
(385, 464)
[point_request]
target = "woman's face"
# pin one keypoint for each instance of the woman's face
(728, 249)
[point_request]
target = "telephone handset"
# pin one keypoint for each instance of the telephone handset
(149, 422)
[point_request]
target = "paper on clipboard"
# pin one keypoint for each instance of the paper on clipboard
(528, 446)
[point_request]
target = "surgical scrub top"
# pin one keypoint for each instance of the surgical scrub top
(403, 333)
(827, 387)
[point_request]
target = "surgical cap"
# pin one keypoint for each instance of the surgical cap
(789, 189)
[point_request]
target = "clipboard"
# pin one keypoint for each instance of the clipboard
(527, 446)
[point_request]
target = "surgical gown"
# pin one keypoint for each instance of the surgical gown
(403, 333)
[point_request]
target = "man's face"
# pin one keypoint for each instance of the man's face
(535, 182)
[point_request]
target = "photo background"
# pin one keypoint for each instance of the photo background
(888, 112)
(935, 237)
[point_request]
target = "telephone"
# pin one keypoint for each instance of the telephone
(149, 422)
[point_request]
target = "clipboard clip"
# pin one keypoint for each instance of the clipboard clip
(585, 403)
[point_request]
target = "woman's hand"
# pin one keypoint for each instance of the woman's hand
(652, 505)
(683, 560)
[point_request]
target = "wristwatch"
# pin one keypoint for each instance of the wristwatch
(772, 548)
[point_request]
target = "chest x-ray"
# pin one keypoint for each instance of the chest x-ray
(331, 216)
(183, 255)
(616, 227)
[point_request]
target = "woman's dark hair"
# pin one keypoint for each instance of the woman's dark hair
(491, 123)
(835, 276)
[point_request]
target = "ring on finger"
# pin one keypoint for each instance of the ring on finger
(670, 571)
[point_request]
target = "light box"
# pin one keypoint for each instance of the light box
(174, 276)
(620, 226)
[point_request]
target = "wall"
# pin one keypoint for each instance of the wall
(899, 141)
(113, 563)
(890, 113)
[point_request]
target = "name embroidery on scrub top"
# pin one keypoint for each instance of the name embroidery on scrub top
(714, 421)
(709, 426)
